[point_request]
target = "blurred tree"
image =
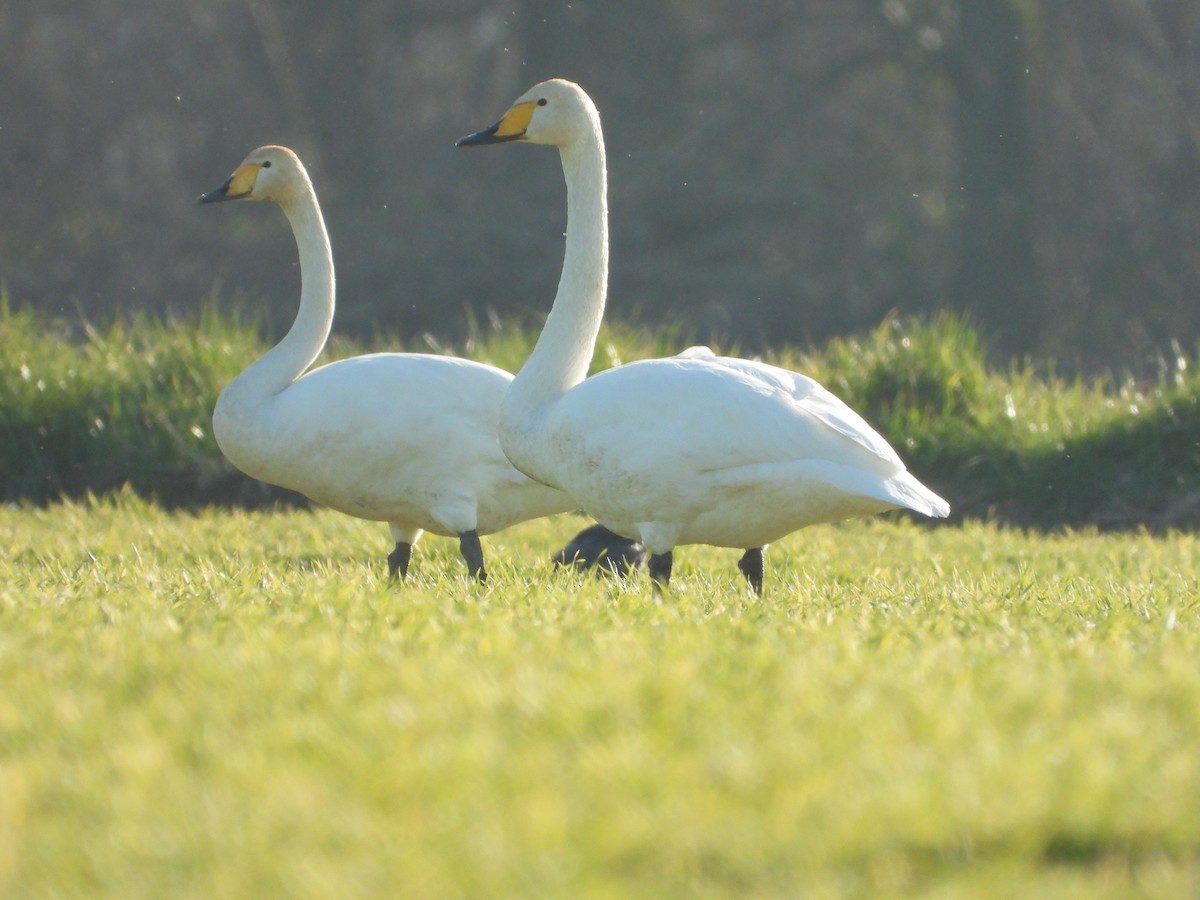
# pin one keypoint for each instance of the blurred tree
(996, 278)
(780, 171)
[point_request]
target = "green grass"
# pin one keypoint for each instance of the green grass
(88, 409)
(234, 704)
(91, 409)
(201, 702)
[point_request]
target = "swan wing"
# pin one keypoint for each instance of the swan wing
(394, 435)
(409, 399)
(719, 453)
(706, 416)
(820, 402)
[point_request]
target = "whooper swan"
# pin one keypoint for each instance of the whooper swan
(694, 449)
(403, 438)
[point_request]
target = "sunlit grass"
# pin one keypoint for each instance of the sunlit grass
(90, 409)
(237, 705)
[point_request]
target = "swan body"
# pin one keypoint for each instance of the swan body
(694, 448)
(407, 439)
(439, 476)
(764, 452)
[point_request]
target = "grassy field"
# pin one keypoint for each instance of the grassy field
(90, 409)
(230, 702)
(235, 704)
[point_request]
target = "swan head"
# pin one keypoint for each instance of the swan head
(268, 173)
(553, 112)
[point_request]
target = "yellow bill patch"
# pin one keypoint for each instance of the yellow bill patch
(516, 120)
(241, 182)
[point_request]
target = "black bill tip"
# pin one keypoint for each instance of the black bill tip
(217, 194)
(487, 136)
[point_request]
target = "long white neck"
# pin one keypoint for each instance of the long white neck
(287, 360)
(564, 350)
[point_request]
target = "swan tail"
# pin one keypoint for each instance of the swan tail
(911, 494)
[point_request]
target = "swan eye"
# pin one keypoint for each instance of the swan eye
(266, 164)
(542, 102)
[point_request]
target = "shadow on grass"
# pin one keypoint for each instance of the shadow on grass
(1122, 476)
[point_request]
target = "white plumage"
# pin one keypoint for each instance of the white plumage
(407, 439)
(690, 449)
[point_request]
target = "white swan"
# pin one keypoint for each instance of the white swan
(403, 438)
(693, 449)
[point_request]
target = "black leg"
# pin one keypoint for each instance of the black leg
(660, 569)
(751, 565)
(472, 551)
(398, 560)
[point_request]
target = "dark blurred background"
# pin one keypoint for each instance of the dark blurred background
(779, 171)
